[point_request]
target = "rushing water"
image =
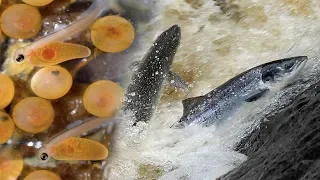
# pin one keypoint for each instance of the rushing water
(217, 43)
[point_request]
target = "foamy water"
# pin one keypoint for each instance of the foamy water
(214, 48)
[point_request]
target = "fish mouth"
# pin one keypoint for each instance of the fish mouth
(172, 34)
(300, 62)
(175, 29)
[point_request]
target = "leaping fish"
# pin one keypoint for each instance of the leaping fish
(245, 87)
(144, 90)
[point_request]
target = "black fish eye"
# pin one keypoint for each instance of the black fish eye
(266, 77)
(286, 66)
(20, 58)
(44, 156)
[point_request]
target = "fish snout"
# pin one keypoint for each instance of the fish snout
(174, 29)
(301, 61)
(171, 35)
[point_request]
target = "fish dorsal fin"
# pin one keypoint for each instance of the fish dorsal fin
(190, 103)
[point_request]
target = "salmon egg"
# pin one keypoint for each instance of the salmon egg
(11, 164)
(6, 127)
(42, 175)
(33, 114)
(103, 98)
(6, 90)
(51, 82)
(21, 21)
(37, 2)
(112, 34)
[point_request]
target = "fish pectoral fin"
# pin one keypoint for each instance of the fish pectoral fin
(176, 81)
(256, 96)
(134, 65)
(190, 103)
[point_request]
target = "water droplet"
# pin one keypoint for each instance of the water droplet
(133, 94)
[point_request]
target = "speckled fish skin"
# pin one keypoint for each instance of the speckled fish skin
(144, 89)
(245, 87)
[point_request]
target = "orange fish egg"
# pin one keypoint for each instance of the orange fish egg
(112, 34)
(33, 114)
(11, 164)
(42, 175)
(57, 52)
(75, 148)
(6, 127)
(6, 90)
(103, 98)
(21, 21)
(0, 34)
(37, 2)
(51, 82)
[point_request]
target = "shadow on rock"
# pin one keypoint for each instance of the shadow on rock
(287, 146)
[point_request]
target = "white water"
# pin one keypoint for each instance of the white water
(270, 30)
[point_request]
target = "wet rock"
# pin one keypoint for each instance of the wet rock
(287, 146)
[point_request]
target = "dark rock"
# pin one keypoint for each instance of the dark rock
(287, 146)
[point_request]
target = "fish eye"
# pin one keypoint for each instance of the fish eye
(20, 58)
(44, 156)
(267, 77)
(287, 66)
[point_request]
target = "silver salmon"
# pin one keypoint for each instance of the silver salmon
(245, 87)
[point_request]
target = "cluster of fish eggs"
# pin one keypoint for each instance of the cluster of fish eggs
(36, 114)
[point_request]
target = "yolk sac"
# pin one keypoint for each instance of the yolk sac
(42, 175)
(75, 148)
(103, 98)
(37, 2)
(112, 34)
(6, 91)
(6, 127)
(21, 21)
(11, 164)
(57, 52)
(51, 82)
(33, 114)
